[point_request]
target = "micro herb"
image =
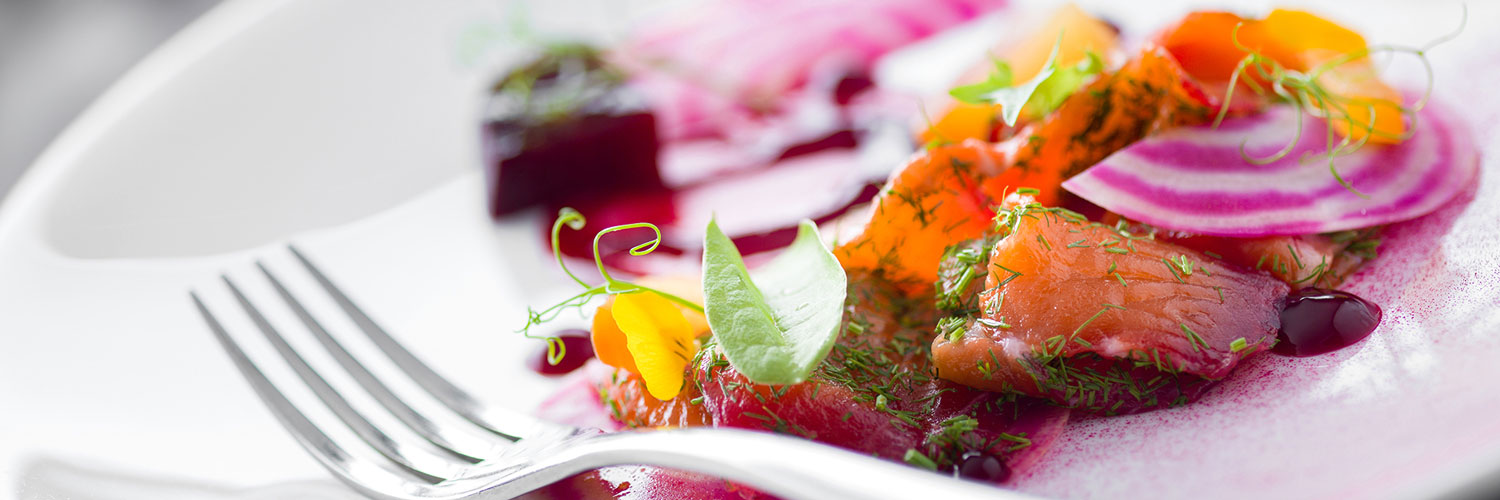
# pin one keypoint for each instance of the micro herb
(918, 459)
(952, 328)
(1193, 338)
(776, 324)
(611, 286)
(1184, 265)
(1037, 96)
(1305, 91)
(999, 78)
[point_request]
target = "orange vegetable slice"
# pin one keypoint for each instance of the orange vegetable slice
(1204, 44)
(1081, 34)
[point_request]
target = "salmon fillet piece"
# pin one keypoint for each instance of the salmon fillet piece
(1093, 317)
(1301, 261)
(876, 393)
(948, 193)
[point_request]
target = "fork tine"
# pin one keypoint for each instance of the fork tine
(507, 424)
(416, 464)
(448, 441)
(363, 475)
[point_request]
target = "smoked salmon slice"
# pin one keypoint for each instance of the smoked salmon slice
(1094, 317)
(876, 393)
(1302, 261)
(948, 193)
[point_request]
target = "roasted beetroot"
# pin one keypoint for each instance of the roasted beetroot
(565, 128)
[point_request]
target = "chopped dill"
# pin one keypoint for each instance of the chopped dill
(1238, 345)
(1013, 274)
(1094, 317)
(1173, 269)
(918, 459)
(1193, 338)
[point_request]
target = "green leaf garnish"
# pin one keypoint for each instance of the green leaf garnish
(1000, 78)
(1038, 96)
(776, 324)
(1063, 83)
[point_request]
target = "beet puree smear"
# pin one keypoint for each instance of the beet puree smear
(1317, 321)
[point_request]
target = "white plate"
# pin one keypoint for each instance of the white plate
(350, 127)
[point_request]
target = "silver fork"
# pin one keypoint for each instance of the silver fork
(491, 452)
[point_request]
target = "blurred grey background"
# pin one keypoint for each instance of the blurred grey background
(56, 56)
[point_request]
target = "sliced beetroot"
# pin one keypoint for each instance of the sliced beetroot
(759, 209)
(1198, 179)
(753, 53)
(590, 155)
(564, 127)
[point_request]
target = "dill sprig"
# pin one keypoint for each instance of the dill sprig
(611, 286)
(1304, 91)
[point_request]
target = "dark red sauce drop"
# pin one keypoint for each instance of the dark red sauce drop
(983, 467)
(578, 350)
(850, 86)
(1316, 321)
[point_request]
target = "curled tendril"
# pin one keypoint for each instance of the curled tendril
(638, 250)
(574, 220)
(1304, 91)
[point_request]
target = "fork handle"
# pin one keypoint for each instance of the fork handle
(783, 466)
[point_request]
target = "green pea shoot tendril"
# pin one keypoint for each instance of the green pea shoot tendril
(611, 286)
(1304, 91)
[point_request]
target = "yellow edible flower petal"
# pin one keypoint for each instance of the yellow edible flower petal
(609, 341)
(659, 338)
